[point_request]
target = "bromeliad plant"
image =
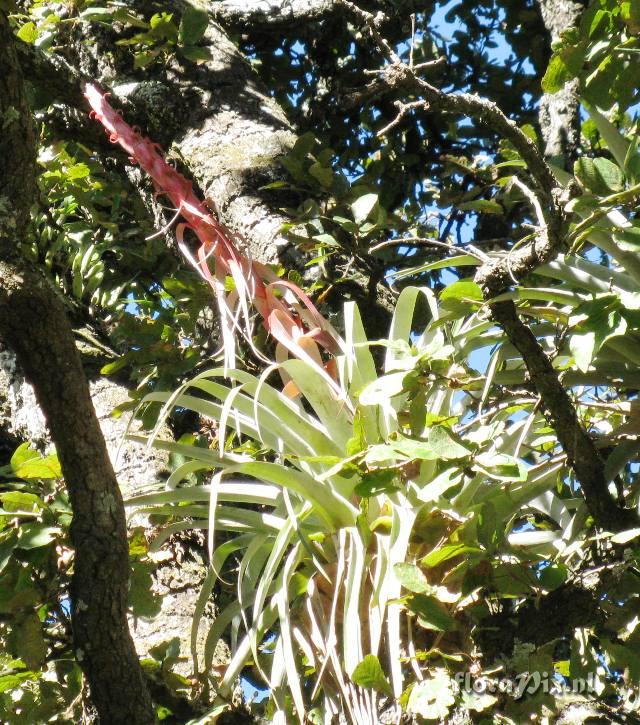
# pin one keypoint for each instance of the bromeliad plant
(376, 524)
(356, 532)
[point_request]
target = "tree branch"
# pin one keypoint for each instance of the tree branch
(398, 76)
(34, 324)
(270, 14)
(560, 411)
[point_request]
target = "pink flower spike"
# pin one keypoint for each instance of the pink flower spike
(292, 318)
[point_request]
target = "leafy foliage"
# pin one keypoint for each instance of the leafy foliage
(379, 531)
(38, 676)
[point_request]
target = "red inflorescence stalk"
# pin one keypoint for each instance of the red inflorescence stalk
(290, 317)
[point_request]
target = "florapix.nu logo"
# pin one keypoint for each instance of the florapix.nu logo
(526, 683)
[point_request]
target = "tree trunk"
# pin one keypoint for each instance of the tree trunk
(33, 323)
(559, 120)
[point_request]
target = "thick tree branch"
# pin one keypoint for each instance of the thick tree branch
(554, 615)
(270, 14)
(17, 144)
(494, 278)
(34, 324)
(51, 73)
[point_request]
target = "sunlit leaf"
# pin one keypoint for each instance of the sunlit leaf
(370, 675)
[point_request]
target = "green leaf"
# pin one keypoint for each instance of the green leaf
(500, 467)
(630, 13)
(20, 501)
(583, 348)
(554, 575)
(483, 206)
(632, 164)
(377, 482)
(114, 366)
(123, 15)
(22, 454)
(98, 14)
(623, 537)
(447, 552)
(462, 296)
(163, 23)
(594, 323)
(346, 224)
(556, 75)
(142, 59)
(431, 613)
(411, 578)
(414, 449)
(37, 467)
(565, 64)
(362, 207)
(477, 701)
(304, 145)
(617, 144)
(513, 580)
(14, 680)
(600, 176)
(193, 25)
(34, 535)
(28, 33)
(446, 444)
(138, 544)
(369, 674)
(196, 54)
(433, 697)
(78, 171)
(487, 526)
(6, 549)
(322, 173)
(170, 649)
(440, 485)
(142, 599)
(628, 239)
(327, 240)
(275, 185)
(31, 647)
(383, 389)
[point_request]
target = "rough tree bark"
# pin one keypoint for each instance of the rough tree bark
(558, 114)
(270, 13)
(215, 118)
(218, 121)
(33, 323)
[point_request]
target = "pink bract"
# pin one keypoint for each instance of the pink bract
(290, 317)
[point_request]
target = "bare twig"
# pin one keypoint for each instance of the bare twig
(429, 64)
(413, 39)
(403, 110)
(372, 22)
(426, 242)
